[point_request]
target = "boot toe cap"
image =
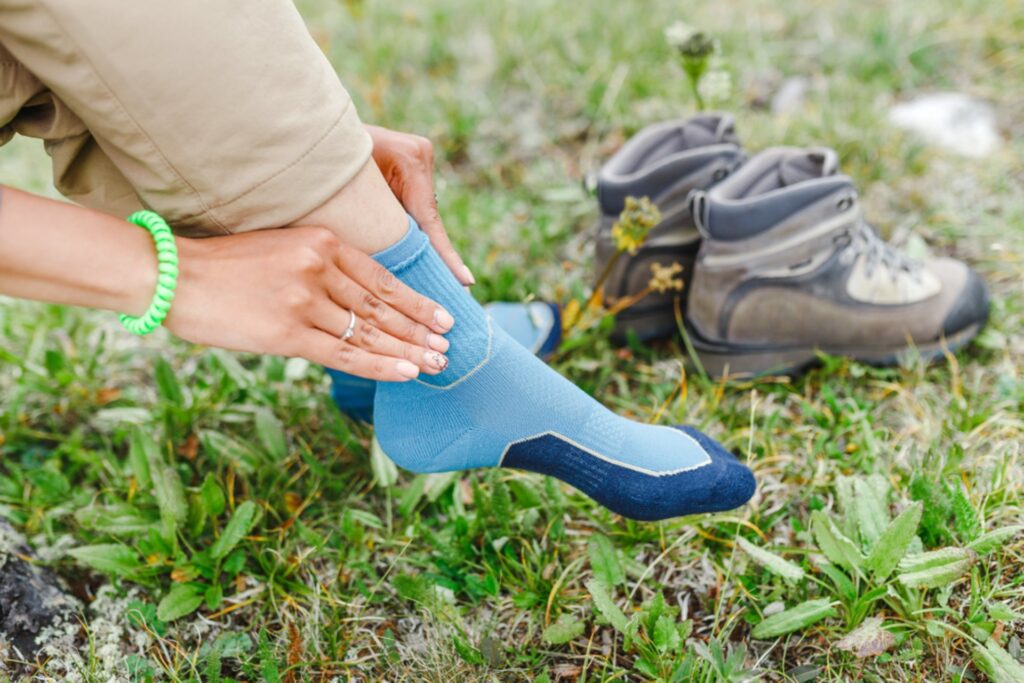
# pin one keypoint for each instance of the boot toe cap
(970, 308)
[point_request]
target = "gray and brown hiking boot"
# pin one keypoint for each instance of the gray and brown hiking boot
(664, 162)
(788, 267)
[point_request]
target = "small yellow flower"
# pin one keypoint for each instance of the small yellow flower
(636, 220)
(663, 278)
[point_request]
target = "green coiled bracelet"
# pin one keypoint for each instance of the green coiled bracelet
(167, 274)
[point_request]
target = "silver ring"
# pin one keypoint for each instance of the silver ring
(351, 329)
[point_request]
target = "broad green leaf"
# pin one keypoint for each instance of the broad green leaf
(771, 561)
(115, 519)
(604, 561)
(412, 494)
(869, 640)
(167, 384)
(139, 454)
(562, 631)
(271, 434)
(835, 545)
(844, 586)
(933, 558)
(182, 599)
(212, 496)
(666, 636)
(385, 473)
(870, 507)
(999, 664)
(111, 558)
(803, 615)
(606, 606)
(891, 546)
(170, 495)
(224, 449)
(936, 568)
(1000, 611)
(993, 540)
(237, 527)
(468, 653)
(214, 594)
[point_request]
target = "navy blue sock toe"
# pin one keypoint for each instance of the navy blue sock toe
(722, 484)
(735, 484)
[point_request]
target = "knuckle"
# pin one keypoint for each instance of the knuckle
(371, 304)
(345, 354)
(418, 306)
(387, 284)
(424, 144)
(413, 332)
(310, 261)
(379, 367)
(369, 333)
(323, 239)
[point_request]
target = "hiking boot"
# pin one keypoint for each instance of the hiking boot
(664, 162)
(788, 267)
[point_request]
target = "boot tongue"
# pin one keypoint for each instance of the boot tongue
(708, 129)
(817, 162)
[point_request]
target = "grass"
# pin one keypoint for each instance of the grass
(292, 552)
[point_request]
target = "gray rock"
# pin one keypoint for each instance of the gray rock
(31, 597)
(790, 96)
(952, 121)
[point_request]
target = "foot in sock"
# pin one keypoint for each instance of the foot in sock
(498, 405)
(536, 325)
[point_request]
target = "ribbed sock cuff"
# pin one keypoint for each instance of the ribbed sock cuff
(413, 260)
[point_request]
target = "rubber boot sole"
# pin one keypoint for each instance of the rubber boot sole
(738, 362)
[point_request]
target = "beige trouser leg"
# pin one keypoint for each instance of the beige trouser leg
(222, 115)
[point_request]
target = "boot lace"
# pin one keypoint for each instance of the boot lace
(880, 254)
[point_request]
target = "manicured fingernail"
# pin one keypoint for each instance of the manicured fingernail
(443, 319)
(467, 276)
(437, 342)
(436, 360)
(407, 369)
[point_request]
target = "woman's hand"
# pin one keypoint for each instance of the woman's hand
(290, 292)
(407, 162)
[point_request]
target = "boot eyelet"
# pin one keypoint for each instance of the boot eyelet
(720, 173)
(844, 203)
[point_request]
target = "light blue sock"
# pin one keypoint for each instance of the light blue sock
(536, 325)
(497, 404)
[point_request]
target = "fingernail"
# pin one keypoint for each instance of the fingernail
(467, 276)
(443, 319)
(407, 369)
(437, 342)
(436, 360)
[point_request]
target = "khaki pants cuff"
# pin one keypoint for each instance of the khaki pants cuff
(293, 190)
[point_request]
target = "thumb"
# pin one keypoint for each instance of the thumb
(421, 203)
